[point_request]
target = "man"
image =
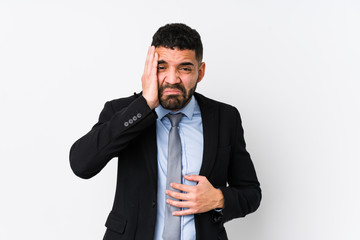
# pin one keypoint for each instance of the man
(177, 179)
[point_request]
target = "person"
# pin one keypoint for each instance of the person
(216, 179)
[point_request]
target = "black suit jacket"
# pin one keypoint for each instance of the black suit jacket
(127, 129)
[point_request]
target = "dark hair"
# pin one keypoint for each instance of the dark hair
(179, 35)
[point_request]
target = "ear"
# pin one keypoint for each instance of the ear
(201, 72)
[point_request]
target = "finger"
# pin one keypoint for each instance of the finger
(179, 204)
(154, 64)
(182, 187)
(147, 59)
(194, 178)
(177, 195)
(150, 59)
(184, 212)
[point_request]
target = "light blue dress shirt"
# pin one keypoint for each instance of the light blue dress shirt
(191, 135)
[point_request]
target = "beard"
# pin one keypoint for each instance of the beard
(175, 102)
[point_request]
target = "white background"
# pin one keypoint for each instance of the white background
(290, 67)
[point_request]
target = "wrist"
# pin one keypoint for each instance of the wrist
(220, 199)
(151, 103)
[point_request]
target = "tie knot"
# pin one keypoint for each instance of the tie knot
(175, 119)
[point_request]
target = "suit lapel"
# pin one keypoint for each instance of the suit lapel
(150, 153)
(210, 121)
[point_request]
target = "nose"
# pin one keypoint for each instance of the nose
(172, 77)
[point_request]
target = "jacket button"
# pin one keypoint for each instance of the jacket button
(134, 118)
(130, 121)
(126, 124)
(139, 115)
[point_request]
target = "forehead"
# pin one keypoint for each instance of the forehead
(176, 56)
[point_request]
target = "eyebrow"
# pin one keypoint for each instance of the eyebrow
(181, 64)
(186, 64)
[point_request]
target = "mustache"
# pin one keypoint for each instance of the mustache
(172, 86)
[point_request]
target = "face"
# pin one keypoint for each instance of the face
(178, 74)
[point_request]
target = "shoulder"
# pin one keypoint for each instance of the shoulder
(209, 103)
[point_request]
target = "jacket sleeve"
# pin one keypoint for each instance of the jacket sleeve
(243, 194)
(113, 132)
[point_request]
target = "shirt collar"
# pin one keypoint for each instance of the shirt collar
(188, 110)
